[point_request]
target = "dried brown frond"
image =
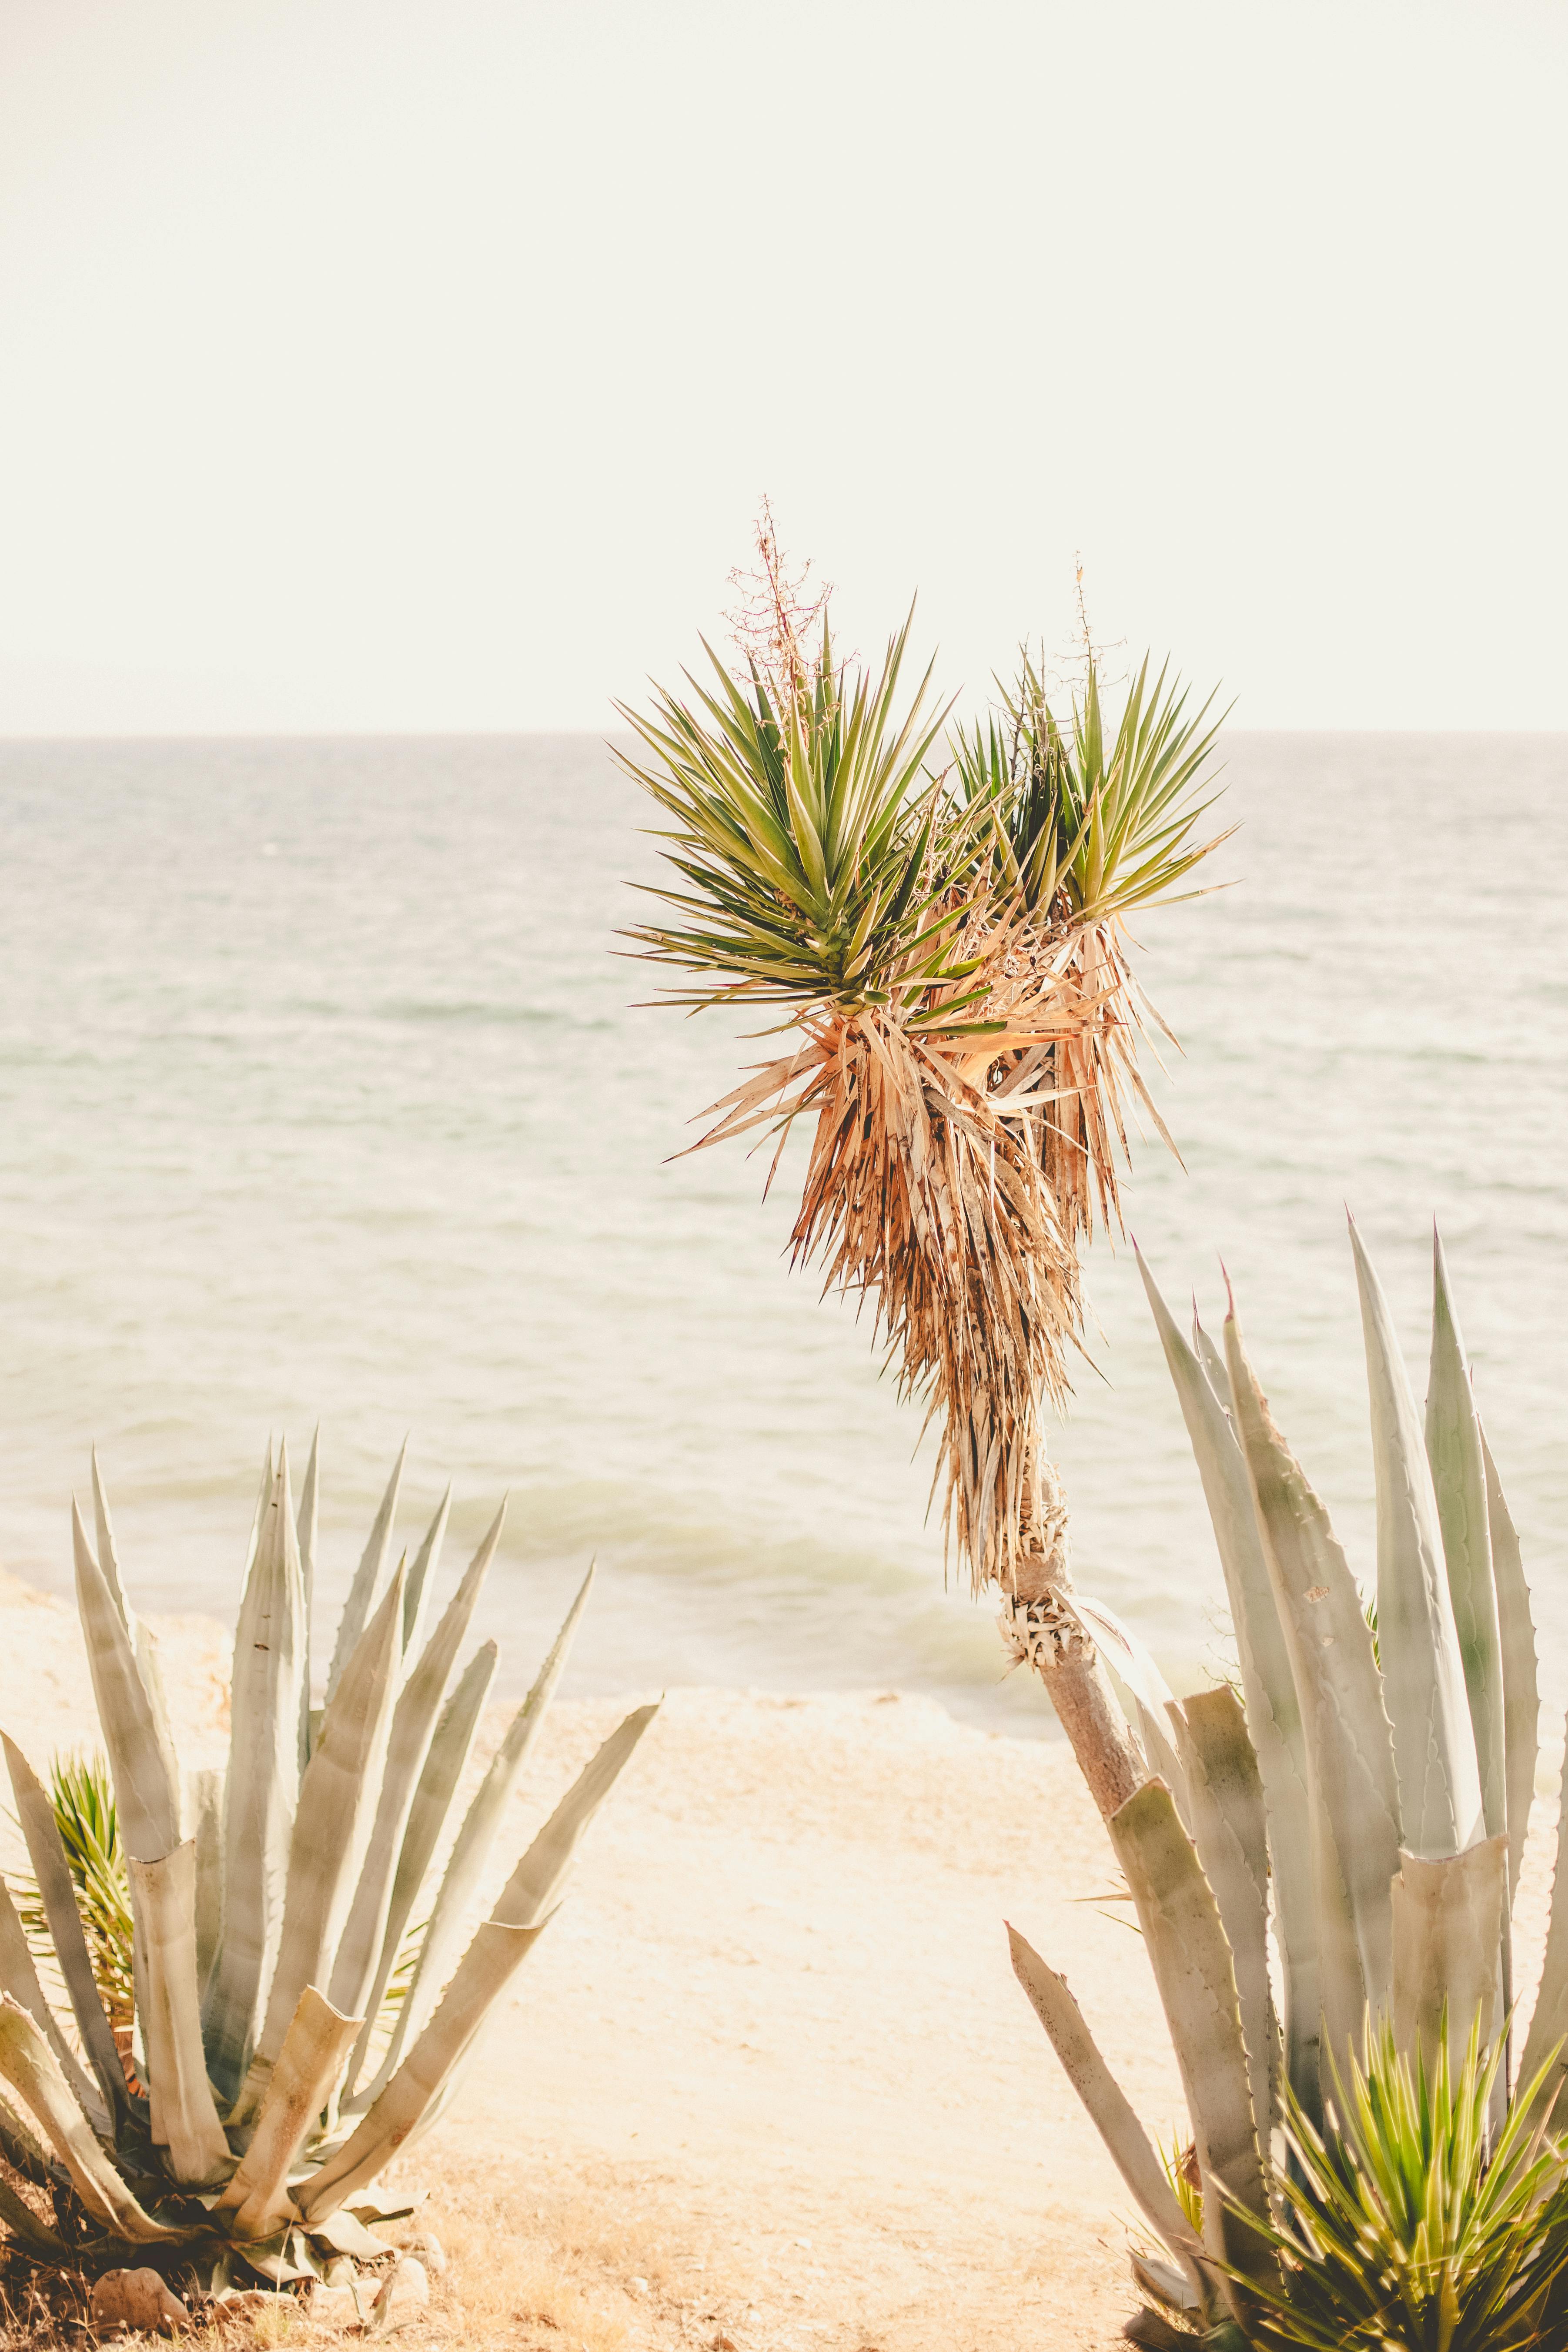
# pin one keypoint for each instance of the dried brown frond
(949, 1179)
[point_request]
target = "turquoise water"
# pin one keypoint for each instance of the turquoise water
(322, 1095)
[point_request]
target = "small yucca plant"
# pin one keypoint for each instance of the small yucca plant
(1406, 2219)
(294, 2033)
(81, 1792)
(1401, 2218)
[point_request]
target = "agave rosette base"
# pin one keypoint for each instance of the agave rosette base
(296, 2027)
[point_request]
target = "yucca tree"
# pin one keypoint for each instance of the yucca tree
(938, 925)
(1347, 1826)
(270, 1907)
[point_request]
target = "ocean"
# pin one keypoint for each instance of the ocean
(325, 1096)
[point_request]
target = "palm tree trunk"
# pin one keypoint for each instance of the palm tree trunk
(1042, 1628)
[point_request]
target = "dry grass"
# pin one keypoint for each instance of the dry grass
(37, 2309)
(551, 2268)
(561, 2279)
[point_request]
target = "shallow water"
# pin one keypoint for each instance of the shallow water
(322, 1095)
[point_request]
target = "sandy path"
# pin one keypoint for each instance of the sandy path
(778, 2013)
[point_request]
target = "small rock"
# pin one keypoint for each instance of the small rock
(344, 2276)
(430, 2251)
(337, 2305)
(405, 2295)
(639, 2287)
(137, 2299)
(243, 2305)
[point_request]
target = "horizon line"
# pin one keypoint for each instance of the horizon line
(32, 739)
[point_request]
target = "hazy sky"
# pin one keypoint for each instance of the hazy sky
(417, 363)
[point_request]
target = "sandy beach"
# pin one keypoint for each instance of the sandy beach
(768, 2077)
(768, 2081)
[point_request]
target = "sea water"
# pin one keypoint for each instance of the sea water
(328, 1093)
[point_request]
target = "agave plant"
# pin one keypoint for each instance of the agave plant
(270, 1907)
(946, 947)
(1359, 1810)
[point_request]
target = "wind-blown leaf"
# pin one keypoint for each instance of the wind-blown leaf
(364, 1592)
(1516, 1635)
(185, 2116)
(1351, 1785)
(146, 1775)
(422, 1575)
(1546, 2045)
(519, 1915)
(1447, 1945)
(331, 1827)
(19, 1978)
(263, 1788)
(1229, 1828)
(1110, 2110)
(413, 1724)
(301, 2083)
(307, 1532)
(472, 1850)
(28, 2063)
(1193, 1970)
(1459, 1484)
(444, 1768)
(1418, 1648)
(1133, 1665)
(1268, 1679)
